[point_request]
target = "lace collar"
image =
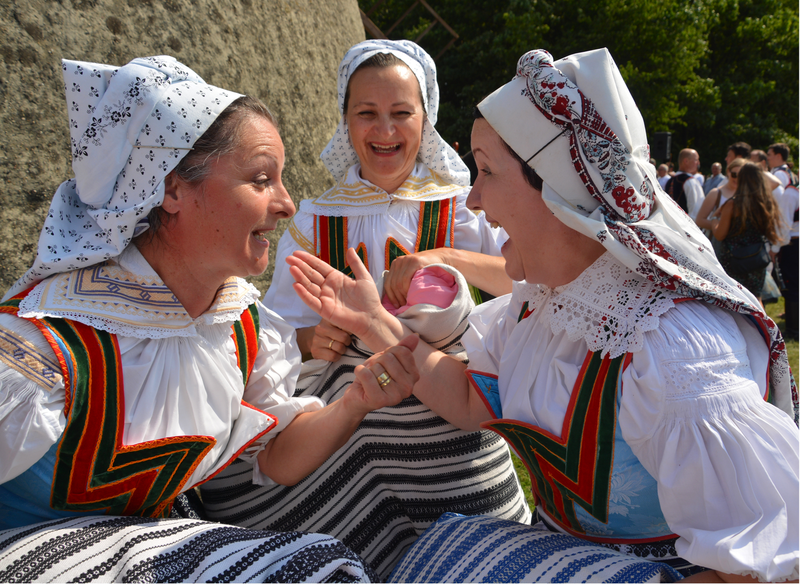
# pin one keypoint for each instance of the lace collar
(354, 195)
(608, 305)
(126, 297)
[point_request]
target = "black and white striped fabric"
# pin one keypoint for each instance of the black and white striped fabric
(137, 549)
(401, 470)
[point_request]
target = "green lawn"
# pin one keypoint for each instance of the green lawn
(792, 347)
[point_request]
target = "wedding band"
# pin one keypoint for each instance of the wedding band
(384, 379)
(330, 345)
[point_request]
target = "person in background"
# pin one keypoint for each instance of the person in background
(715, 179)
(777, 157)
(400, 201)
(750, 216)
(663, 177)
(717, 197)
(738, 150)
(688, 194)
(647, 391)
(788, 259)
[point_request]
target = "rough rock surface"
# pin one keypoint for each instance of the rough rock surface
(285, 52)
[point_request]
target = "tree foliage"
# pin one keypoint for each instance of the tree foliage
(712, 72)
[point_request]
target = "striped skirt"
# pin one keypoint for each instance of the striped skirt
(137, 549)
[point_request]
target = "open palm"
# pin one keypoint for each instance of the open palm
(349, 303)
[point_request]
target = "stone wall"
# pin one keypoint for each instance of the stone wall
(285, 52)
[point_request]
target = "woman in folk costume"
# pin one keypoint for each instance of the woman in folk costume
(646, 390)
(401, 189)
(136, 362)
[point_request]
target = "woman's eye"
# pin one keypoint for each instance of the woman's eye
(262, 180)
(402, 114)
(365, 114)
(486, 171)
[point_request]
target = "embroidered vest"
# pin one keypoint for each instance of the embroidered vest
(94, 471)
(434, 230)
(586, 481)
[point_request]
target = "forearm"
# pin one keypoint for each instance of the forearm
(307, 442)
(480, 270)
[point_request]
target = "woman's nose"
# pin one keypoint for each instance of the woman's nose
(474, 197)
(283, 206)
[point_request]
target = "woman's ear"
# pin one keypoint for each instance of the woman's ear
(172, 193)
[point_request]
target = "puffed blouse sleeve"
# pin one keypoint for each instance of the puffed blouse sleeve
(281, 297)
(490, 326)
(726, 461)
(272, 382)
(31, 396)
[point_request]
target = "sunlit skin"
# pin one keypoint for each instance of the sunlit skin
(384, 117)
(219, 227)
(538, 242)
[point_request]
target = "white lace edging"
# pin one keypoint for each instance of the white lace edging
(608, 305)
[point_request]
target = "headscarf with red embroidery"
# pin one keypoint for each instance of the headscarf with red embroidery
(575, 122)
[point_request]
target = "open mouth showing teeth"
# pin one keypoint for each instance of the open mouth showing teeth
(385, 149)
(260, 236)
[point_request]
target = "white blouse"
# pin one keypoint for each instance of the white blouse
(373, 216)
(692, 410)
(181, 375)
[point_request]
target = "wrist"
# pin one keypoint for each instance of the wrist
(385, 331)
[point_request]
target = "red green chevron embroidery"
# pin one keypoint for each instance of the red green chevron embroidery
(94, 471)
(435, 229)
(575, 467)
(245, 336)
(436, 224)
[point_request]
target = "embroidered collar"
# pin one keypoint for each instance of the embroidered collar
(354, 195)
(127, 297)
(608, 305)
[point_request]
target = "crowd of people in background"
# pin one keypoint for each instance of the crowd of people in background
(752, 205)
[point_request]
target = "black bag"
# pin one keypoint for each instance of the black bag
(749, 258)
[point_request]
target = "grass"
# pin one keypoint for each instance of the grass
(792, 348)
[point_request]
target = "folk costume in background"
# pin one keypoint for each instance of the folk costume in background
(639, 394)
(427, 211)
(113, 400)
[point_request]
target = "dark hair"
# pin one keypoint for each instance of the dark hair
(754, 204)
(759, 154)
(378, 61)
(221, 138)
(530, 175)
(740, 149)
(781, 149)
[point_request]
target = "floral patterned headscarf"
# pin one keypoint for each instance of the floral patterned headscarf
(575, 122)
(339, 155)
(129, 128)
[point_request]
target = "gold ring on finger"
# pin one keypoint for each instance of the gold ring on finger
(384, 379)
(330, 345)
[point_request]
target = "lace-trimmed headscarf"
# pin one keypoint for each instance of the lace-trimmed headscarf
(339, 155)
(575, 122)
(129, 127)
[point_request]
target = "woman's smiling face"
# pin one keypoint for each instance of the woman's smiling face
(385, 117)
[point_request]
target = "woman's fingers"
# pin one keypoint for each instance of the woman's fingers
(360, 271)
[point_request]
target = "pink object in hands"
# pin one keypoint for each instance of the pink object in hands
(431, 285)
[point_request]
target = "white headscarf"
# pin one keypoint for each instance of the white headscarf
(575, 122)
(129, 128)
(339, 155)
